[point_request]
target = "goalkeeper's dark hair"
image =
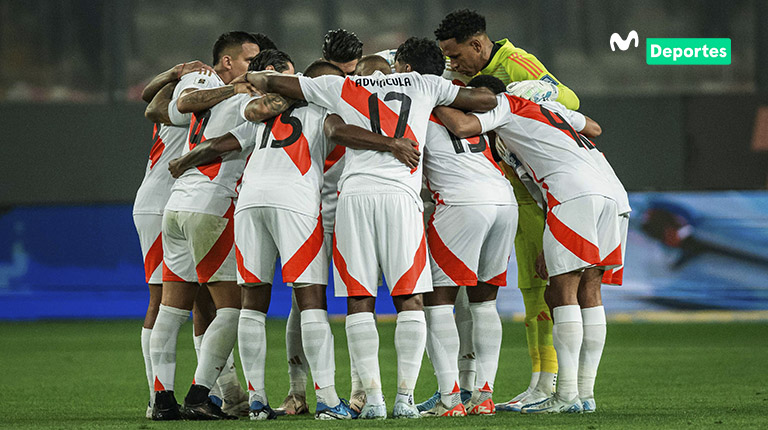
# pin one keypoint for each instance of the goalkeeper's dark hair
(460, 25)
(322, 67)
(487, 81)
(263, 41)
(423, 55)
(342, 46)
(279, 60)
(229, 40)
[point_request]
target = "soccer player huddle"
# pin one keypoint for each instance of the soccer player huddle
(252, 162)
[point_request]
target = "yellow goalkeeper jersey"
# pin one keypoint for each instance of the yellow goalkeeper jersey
(512, 64)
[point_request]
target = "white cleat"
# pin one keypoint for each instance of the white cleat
(404, 410)
(373, 412)
(517, 403)
(588, 405)
(149, 411)
(554, 405)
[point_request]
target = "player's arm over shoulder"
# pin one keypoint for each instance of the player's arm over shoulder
(534, 69)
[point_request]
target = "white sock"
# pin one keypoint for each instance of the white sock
(546, 382)
(467, 368)
(410, 341)
(228, 383)
(197, 340)
(162, 345)
(567, 334)
(145, 335)
(363, 342)
(534, 381)
(252, 338)
(297, 361)
(318, 347)
(443, 347)
(357, 384)
(217, 345)
(486, 336)
(591, 349)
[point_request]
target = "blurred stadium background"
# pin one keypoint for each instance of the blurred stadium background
(689, 142)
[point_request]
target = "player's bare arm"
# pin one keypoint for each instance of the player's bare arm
(592, 129)
(203, 154)
(171, 75)
(355, 137)
(475, 100)
(268, 81)
(157, 109)
(198, 100)
(266, 107)
(460, 123)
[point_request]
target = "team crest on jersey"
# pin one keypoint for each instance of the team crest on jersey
(550, 79)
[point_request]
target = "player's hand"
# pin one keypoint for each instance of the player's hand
(242, 86)
(405, 150)
(192, 66)
(175, 167)
(259, 80)
(541, 267)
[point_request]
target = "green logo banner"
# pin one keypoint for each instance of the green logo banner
(687, 51)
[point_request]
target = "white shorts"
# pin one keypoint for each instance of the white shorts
(615, 276)
(379, 233)
(582, 233)
(264, 233)
(198, 247)
(473, 243)
(149, 227)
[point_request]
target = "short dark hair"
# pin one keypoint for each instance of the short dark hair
(371, 63)
(322, 67)
(460, 25)
(270, 57)
(342, 46)
(229, 40)
(263, 41)
(423, 55)
(487, 81)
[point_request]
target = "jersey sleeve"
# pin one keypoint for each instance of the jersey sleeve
(176, 117)
(244, 104)
(196, 80)
(495, 117)
(246, 134)
(443, 90)
(323, 91)
(526, 66)
(577, 120)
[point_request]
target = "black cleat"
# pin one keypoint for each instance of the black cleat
(198, 406)
(165, 407)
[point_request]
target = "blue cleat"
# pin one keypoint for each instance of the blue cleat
(342, 411)
(430, 403)
(259, 412)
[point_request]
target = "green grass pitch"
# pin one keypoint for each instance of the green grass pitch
(90, 374)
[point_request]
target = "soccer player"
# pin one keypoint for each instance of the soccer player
(153, 193)
(470, 239)
(343, 49)
(463, 39)
(198, 235)
(378, 218)
(584, 234)
(371, 63)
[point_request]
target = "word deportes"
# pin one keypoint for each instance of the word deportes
(688, 51)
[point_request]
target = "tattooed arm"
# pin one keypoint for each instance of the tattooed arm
(266, 107)
(157, 110)
(196, 100)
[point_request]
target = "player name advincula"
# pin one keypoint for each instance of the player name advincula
(393, 81)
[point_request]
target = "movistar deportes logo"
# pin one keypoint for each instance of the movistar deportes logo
(624, 43)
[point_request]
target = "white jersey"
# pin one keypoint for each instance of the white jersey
(462, 171)
(548, 147)
(156, 186)
(396, 105)
(210, 188)
(334, 165)
(285, 169)
(578, 121)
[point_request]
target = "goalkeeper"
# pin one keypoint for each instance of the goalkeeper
(463, 39)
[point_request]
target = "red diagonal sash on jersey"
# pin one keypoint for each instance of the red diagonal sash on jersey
(487, 152)
(211, 170)
(334, 157)
(357, 97)
(156, 152)
(528, 109)
(297, 151)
